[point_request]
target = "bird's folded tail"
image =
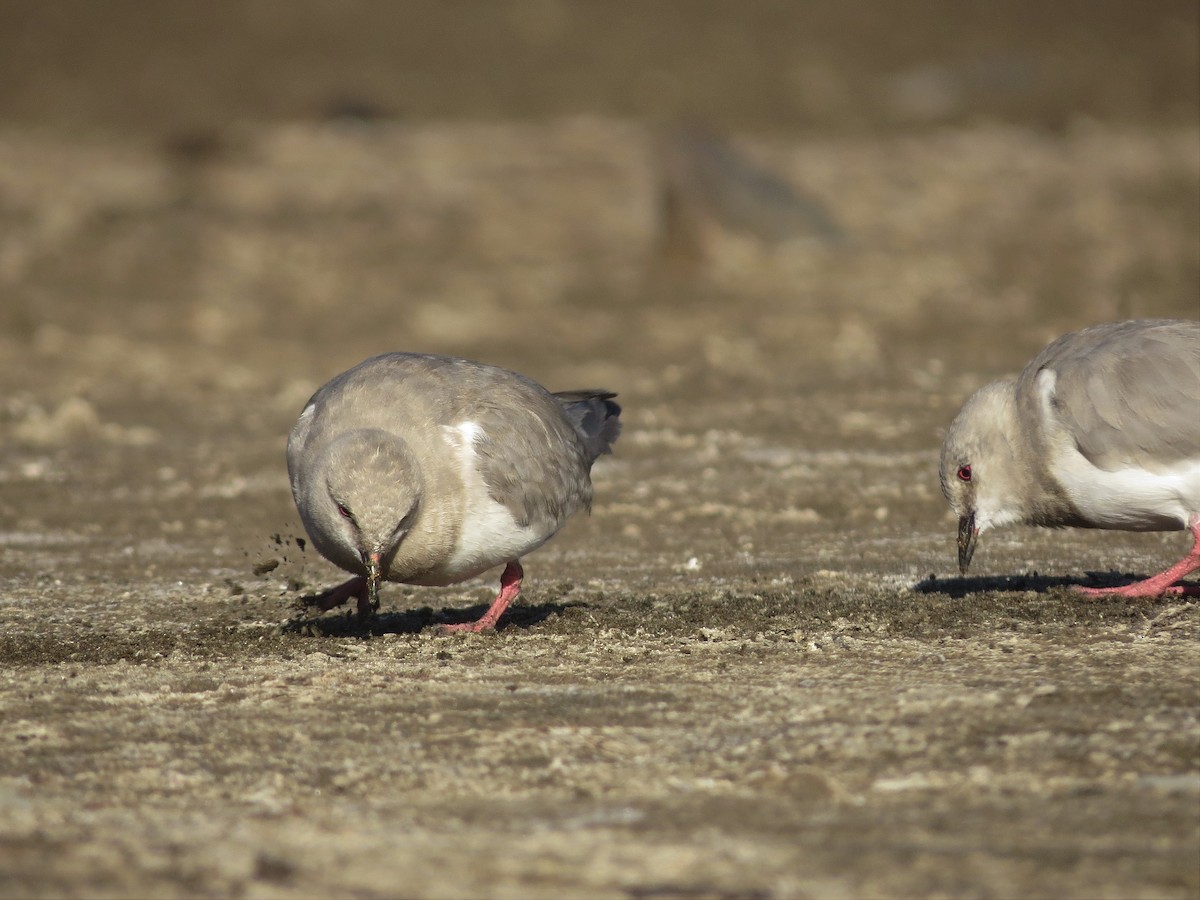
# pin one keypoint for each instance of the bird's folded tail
(595, 417)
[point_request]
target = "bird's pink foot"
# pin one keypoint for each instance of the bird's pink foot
(1146, 589)
(510, 586)
(1163, 582)
(1142, 590)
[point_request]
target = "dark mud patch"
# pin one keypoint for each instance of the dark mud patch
(350, 624)
(141, 646)
(1033, 583)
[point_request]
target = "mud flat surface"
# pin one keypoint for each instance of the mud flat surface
(753, 671)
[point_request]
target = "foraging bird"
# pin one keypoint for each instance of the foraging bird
(1100, 430)
(431, 469)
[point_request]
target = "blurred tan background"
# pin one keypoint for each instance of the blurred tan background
(765, 65)
(474, 176)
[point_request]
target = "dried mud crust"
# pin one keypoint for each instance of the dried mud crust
(856, 740)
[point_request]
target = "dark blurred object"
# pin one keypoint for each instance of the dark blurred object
(780, 64)
(708, 183)
(349, 110)
(194, 147)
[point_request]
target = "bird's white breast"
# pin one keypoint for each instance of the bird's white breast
(489, 535)
(1131, 499)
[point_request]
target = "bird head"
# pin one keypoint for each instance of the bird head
(980, 467)
(372, 490)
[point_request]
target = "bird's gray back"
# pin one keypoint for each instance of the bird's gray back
(1128, 393)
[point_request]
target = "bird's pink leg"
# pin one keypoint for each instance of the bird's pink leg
(1163, 582)
(510, 586)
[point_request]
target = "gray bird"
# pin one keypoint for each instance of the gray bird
(1100, 430)
(431, 469)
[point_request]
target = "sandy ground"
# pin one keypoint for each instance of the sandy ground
(752, 672)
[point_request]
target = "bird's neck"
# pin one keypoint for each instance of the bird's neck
(1012, 479)
(1047, 502)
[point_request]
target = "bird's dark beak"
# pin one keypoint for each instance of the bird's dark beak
(967, 535)
(373, 575)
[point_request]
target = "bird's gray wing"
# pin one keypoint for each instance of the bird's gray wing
(530, 455)
(1127, 393)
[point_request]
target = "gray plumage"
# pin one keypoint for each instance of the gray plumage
(440, 468)
(1127, 393)
(1100, 430)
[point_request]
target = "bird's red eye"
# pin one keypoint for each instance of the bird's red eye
(964, 473)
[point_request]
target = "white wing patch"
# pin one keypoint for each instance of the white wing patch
(489, 535)
(1046, 381)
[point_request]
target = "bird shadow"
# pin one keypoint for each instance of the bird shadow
(413, 621)
(1032, 581)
